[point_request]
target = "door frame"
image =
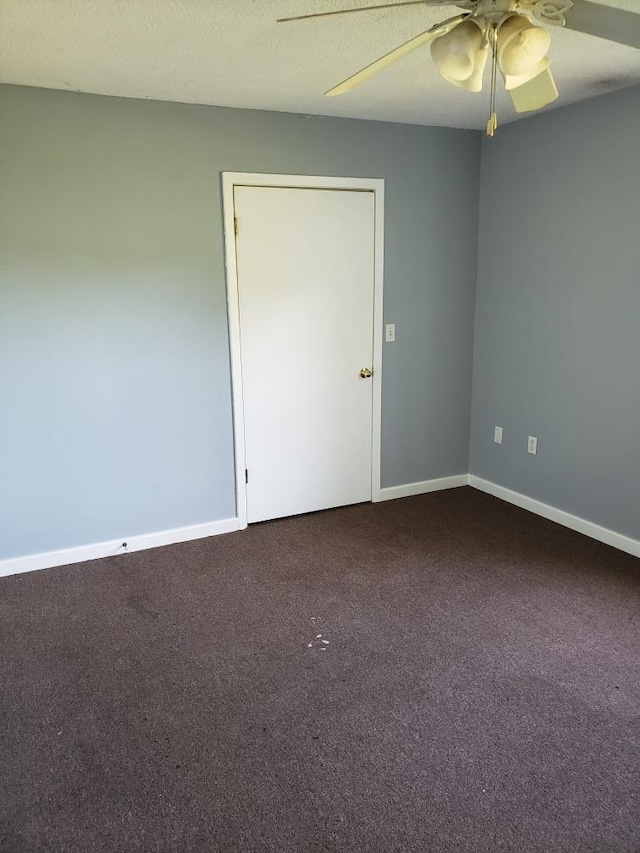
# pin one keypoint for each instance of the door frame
(230, 180)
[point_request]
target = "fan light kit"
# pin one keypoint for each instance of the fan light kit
(504, 30)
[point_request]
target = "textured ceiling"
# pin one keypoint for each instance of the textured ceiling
(233, 53)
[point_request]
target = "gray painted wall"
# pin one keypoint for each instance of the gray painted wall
(557, 336)
(114, 366)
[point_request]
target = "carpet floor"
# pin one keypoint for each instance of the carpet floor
(439, 673)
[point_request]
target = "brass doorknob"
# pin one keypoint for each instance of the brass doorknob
(366, 373)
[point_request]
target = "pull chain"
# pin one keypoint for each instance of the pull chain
(492, 124)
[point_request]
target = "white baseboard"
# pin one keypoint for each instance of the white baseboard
(49, 559)
(409, 489)
(66, 556)
(581, 525)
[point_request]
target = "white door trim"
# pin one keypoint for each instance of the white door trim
(233, 179)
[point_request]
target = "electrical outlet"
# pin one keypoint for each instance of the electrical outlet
(497, 434)
(390, 333)
(532, 445)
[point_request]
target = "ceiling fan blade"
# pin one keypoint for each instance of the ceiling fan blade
(369, 8)
(605, 22)
(535, 93)
(396, 54)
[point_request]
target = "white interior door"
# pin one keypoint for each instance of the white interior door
(305, 271)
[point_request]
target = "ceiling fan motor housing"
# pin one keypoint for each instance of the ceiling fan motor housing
(494, 11)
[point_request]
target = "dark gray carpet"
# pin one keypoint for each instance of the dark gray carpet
(480, 690)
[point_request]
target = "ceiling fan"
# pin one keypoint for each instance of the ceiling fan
(460, 46)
